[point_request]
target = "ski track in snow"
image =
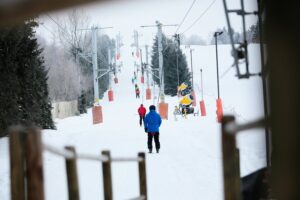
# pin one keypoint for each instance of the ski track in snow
(189, 163)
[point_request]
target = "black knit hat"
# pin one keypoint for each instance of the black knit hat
(152, 107)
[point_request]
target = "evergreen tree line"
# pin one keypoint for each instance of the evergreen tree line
(172, 76)
(24, 97)
(252, 36)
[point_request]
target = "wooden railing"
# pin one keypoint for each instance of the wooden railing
(231, 160)
(27, 182)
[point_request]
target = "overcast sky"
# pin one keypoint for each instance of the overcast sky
(128, 15)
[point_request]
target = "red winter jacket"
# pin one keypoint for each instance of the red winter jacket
(142, 111)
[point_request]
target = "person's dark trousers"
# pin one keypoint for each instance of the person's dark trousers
(141, 119)
(156, 140)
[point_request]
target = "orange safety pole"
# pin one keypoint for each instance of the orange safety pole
(148, 94)
(142, 79)
(97, 115)
(219, 110)
(110, 95)
(163, 110)
(202, 108)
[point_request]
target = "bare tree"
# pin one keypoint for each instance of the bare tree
(62, 74)
(73, 38)
(70, 29)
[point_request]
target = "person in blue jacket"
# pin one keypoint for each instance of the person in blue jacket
(152, 123)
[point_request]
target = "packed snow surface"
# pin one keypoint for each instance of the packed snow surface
(189, 165)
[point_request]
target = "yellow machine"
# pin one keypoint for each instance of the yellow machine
(186, 100)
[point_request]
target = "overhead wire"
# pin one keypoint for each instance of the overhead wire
(225, 72)
(63, 30)
(202, 14)
(47, 29)
(56, 22)
(185, 16)
(67, 40)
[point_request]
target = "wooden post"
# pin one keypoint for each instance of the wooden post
(283, 69)
(142, 175)
(17, 164)
(107, 178)
(34, 164)
(238, 177)
(72, 177)
(232, 189)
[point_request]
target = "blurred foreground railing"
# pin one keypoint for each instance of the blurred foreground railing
(231, 160)
(26, 163)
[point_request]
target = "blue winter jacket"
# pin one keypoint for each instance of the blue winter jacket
(152, 122)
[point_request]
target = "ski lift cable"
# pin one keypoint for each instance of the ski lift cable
(80, 54)
(185, 16)
(204, 12)
(61, 28)
(54, 33)
(225, 72)
(47, 29)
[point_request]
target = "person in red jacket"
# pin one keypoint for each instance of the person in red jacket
(142, 113)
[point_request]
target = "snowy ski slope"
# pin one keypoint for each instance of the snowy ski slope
(189, 164)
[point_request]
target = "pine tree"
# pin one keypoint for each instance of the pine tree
(9, 84)
(170, 52)
(24, 92)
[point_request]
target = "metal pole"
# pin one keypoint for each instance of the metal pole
(245, 39)
(115, 71)
(230, 31)
(217, 65)
(147, 69)
(118, 43)
(177, 37)
(137, 42)
(191, 52)
(264, 83)
(115, 57)
(109, 67)
(153, 91)
(201, 84)
(177, 67)
(95, 63)
(160, 57)
(141, 55)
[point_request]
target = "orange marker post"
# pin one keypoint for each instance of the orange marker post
(142, 79)
(163, 110)
(219, 110)
(110, 95)
(97, 115)
(148, 94)
(202, 108)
